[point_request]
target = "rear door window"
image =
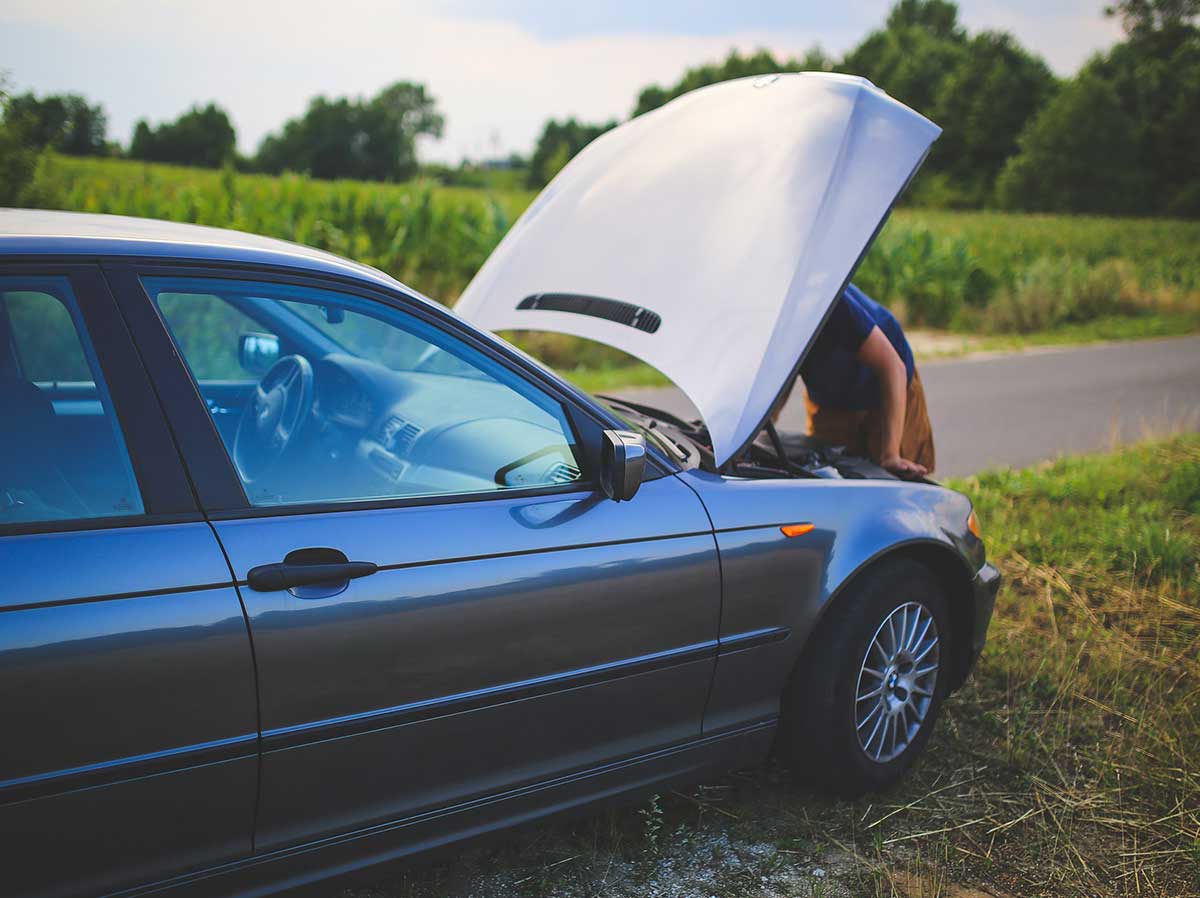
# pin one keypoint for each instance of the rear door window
(62, 456)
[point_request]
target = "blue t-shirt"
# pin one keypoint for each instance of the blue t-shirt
(833, 375)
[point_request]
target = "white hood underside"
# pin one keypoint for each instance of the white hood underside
(728, 221)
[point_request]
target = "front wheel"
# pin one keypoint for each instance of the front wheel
(864, 697)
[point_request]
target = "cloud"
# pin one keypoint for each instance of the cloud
(558, 20)
(1064, 32)
(496, 72)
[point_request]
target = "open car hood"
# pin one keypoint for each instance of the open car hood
(710, 237)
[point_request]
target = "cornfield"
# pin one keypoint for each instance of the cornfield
(979, 272)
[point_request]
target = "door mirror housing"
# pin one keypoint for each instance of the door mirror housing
(258, 352)
(622, 463)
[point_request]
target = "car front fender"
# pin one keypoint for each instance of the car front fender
(783, 586)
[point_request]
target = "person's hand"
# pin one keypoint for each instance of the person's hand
(903, 468)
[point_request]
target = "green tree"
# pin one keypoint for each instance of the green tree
(18, 151)
(735, 65)
(1079, 154)
(983, 105)
(938, 18)
(919, 47)
(1141, 17)
(982, 90)
(1136, 151)
(343, 138)
(201, 136)
(558, 144)
(1156, 74)
(63, 122)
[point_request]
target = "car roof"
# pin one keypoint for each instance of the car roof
(40, 232)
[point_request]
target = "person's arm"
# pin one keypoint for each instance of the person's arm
(878, 354)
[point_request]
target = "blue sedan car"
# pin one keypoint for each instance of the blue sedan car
(304, 573)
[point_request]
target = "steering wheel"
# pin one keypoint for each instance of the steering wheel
(280, 403)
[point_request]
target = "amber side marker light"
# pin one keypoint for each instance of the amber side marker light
(796, 529)
(973, 525)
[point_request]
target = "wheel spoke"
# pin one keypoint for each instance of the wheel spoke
(877, 646)
(882, 721)
(878, 690)
(878, 674)
(917, 659)
(921, 676)
(878, 706)
(883, 736)
(917, 640)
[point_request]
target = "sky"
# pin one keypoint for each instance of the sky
(498, 68)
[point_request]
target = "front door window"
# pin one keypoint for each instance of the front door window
(322, 397)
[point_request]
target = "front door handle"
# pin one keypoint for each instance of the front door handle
(286, 575)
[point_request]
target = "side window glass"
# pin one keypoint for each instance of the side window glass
(199, 324)
(323, 397)
(62, 456)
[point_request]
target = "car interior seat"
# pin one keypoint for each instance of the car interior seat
(32, 485)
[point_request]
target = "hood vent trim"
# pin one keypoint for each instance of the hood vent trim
(637, 317)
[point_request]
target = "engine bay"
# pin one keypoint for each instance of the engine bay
(773, 454)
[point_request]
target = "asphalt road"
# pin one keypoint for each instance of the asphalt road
(991, 411)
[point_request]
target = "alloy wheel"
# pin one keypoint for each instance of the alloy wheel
(896, 682)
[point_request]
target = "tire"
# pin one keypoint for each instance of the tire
(830, 736)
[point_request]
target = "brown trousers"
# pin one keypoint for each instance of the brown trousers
(862, 434)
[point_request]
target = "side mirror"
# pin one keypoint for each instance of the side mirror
(622, 461)
(258, 352)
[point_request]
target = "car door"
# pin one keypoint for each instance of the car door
(511, 623)
(128, 743)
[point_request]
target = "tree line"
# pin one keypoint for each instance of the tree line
(1122, 136)
(366, 138)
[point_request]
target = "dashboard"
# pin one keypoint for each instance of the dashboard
(341, 398)
(380, 432)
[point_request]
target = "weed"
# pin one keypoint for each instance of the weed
(652, 824)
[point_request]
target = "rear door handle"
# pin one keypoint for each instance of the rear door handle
(285, 575)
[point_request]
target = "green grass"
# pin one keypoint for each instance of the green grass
(1160, 251)
(429, 236)
(615, 377)
(1067, 766)
(1106, 329)
(1026, 279)
(1110, 328)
